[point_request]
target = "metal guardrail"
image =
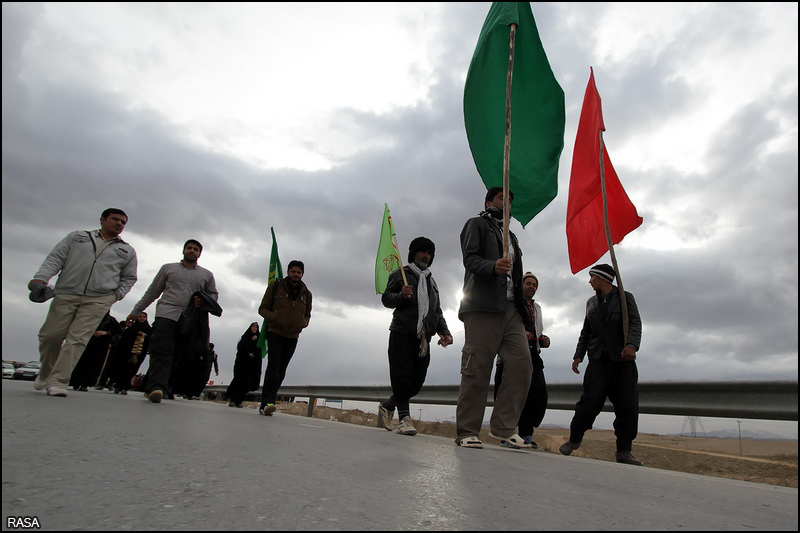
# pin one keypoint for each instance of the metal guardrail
(761, 400)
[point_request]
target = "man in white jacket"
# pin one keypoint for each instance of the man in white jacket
(95, 269)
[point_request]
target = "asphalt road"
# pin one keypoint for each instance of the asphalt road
(99, 461)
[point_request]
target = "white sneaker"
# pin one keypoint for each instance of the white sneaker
(386, 417)
(57, 391)
(406, 427)
(39, 384)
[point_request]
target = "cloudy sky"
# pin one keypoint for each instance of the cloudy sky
(218, 121)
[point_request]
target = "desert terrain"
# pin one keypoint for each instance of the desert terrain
(761, 461)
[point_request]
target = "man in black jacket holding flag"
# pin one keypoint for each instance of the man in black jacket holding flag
(612, 371)
(417, 317)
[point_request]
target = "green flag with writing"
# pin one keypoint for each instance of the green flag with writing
(275, 274)
(537, 110)
(388, 256)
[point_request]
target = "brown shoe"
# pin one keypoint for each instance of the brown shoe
(155, 396)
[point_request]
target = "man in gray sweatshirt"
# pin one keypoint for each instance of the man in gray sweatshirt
(95, 269)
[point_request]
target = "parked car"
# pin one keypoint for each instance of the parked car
(28, 371)
(8, 371)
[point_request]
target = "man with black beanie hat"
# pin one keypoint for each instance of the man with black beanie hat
(612, 371)
(417, 316)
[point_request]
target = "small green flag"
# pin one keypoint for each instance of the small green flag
(388, 256)
(275, 274)
(537, 110)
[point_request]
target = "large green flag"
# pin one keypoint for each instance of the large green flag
(537, 110)
(388, 258)
(275, 274)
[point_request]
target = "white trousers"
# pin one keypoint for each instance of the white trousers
(70, 323)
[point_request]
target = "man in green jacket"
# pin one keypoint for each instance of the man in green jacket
(286, 306)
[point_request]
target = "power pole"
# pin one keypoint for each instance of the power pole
(693, 422)
(739, 421)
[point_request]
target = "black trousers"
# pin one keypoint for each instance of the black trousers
(407, 370)
(535, 404)
(162, 354)
(617, 381)
(279, 352)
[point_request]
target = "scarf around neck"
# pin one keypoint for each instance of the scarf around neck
(423, 303)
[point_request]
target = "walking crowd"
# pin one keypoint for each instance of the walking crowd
(81, 345)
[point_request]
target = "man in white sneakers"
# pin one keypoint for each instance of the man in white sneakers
(417, 317)
(95, 269)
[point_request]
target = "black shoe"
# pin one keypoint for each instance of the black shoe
(569, 447)
(628, 459)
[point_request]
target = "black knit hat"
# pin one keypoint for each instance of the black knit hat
(605, 272)
(494, 191)
(421, 244)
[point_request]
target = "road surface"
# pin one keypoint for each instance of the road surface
(99, 461)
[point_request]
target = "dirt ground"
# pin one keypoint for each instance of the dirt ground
(760, 461)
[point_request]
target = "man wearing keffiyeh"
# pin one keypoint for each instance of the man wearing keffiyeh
(417, 316)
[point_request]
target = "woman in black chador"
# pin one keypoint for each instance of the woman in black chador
(87, 371)
(129, 352)
(247, 368)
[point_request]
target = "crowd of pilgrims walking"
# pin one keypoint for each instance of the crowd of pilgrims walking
(116, 351)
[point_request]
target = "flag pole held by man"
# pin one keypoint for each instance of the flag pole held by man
(586, 230)
(536, 107)
(599, 212)
(275, 274)
(388, 259)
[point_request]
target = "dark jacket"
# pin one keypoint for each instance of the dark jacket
(286, 316)
(193, 323)
(406, 312)
(484, 291)
(600, 335)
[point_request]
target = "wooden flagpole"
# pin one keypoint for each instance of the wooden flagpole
(400, 260)
(507, 147)
(622, 299)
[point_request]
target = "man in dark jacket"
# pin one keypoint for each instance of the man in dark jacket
(536, 403)
(494, 316)
(612, 371)
(417, 316)
(286, 306)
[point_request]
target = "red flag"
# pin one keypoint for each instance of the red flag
(586, 233)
